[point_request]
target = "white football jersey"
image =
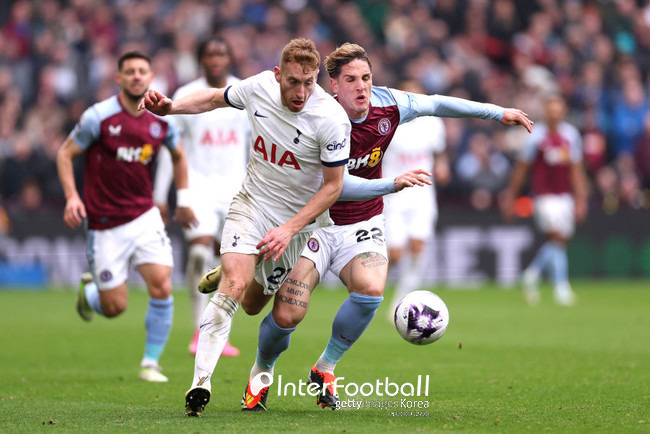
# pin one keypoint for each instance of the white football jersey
(413, 147)
(216, 145)
(288, 149)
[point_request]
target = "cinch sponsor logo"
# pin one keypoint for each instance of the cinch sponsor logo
(143, 154)
(336, 145)
(271, 154)
(369, 160)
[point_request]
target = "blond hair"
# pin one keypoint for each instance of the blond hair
(343, 55)
(301, 51)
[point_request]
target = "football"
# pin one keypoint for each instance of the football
(421, 317)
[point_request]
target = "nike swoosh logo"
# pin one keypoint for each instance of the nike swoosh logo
(257, 114)
(209, 275)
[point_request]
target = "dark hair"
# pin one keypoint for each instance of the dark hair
(343, 55)
(200, 51)
(131, 55)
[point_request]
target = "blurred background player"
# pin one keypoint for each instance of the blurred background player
(553, 156)
(216, 144)
(123, 225)
(412, 215)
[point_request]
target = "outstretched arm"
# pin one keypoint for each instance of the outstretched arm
(197, 102)
(516, 117)
(356, 188)
(452, 107)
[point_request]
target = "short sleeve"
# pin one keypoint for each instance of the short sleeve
(172, 137)
(529, 150)
(575, 145)
(335, 142)
(236, 95)
(87, 130)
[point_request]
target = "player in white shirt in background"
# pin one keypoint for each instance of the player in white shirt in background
(216, 144)
(412, 215)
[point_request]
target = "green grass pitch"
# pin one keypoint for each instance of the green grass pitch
(501, 367)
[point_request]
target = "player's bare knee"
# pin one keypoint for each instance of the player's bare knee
(111, 310)
(233, 286)
(394, 255)
(161, 290)
(286, 317)
(251, 308)
(373, 289)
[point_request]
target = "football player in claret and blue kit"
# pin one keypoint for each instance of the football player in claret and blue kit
(124, 227)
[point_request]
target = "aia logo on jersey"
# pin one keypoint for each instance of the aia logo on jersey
(142, 155)
(272, 154)
(155, 129)
(368, 160)
(313, 245)
(383, 126)
(219, 138)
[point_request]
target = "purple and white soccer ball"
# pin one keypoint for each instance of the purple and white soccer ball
(421, 317)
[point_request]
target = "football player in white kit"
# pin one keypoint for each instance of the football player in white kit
(300, 146)
(412, 215)
(216, 144)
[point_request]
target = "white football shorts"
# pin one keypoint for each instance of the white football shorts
(413, 220)
(555, 213)
(243, 230)
(143, 240)
(211, 219)
(333, 247)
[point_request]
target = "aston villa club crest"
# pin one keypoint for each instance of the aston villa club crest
(313, 245)
(155, 129)
(383, 126)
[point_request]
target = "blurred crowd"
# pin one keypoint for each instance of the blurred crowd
(59, 56)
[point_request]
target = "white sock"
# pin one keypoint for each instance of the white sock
(325, 366)
(199, 261)
(411, 276)
(255, 370)
(215, 329)
(149, 363)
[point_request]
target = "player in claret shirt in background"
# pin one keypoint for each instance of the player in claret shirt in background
(216, 144)
(553, 157)
(354, 248)
(123, 225)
